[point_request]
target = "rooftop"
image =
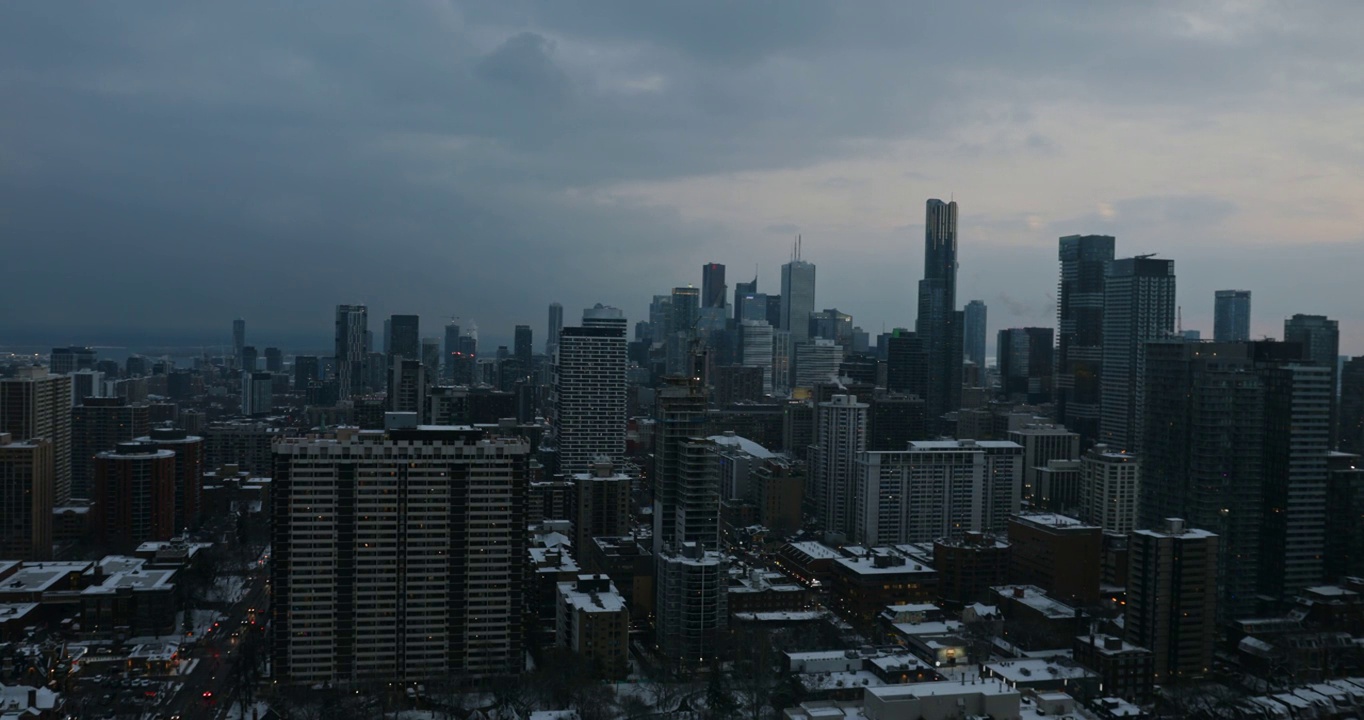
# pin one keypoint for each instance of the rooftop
(592, 602)
(1032, 670)
(41, 576)
(1055, 520)
(939, 689)
(744, 444)
(1037, 599)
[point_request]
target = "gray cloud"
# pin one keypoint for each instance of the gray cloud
(178, 164)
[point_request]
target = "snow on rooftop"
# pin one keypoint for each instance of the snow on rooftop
(743, 443)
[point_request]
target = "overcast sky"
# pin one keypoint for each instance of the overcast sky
(176, 165)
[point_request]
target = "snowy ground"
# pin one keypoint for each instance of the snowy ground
(235, 712)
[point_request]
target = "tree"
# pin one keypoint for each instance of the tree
(720, 702)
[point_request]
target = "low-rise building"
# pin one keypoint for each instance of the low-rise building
(864, 585)
(1124, 669)
(594, 623)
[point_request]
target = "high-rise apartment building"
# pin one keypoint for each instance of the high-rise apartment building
(99, 425)
(1085, 260)
(1320, 340)
(940, 325)
(1043, 443)
(1235, 433)
(602, 499)
(1024, 359)
(1350, 437)
(713, 291)
(408, 386)
(840, 438)
(257, 393)
(1231, 315)
(134, 496)
(936, 489)
(1171, 599)
(1109, 482)
(679, 417)
(36, 404)
(351, 349)
(1060, 554)
(1139, 306)
(973, 334)
(589, 393)
(238, 340)
(189, 472)
(797, 297)
(398, 555)
(307, 369)
(26, 486)
(556, 324)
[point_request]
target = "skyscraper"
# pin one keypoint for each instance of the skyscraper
(686, 309)
(257, 393)
(36, 404)
(940, 325)
(797, 297)
(405, 338)
(755, 348)
(1024, 359)
(99, 425)
(274, 360)
(522, 349)
(1109, 483)
(238, 340)
(741, 291)
(1350, 437)
(589, 390)
(1079, 320)
(249, 358)
(1171, 606)
(26, 498)
(352, 347)
(71, 359)
(189, 471)
(840, 435)
(907, 367)
(134, 496)
(680, 415)
(713, 285)
(1320, 340)
(451, 348)
(408, 386)
(556, 323)
(973, 337)
(1139, 306)
(427, 523)
(1231, 315)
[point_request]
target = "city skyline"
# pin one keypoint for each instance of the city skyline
(286, 183)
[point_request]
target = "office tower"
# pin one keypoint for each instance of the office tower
(755, 349)
(70, 359)
(753, 306)
(405, 338)
(409, 385)
(605, 316)
(139, 366)
(352, 348)
(189, 471)
(907, 366)
(589, 392)
(831, 324)
(36, 404)
(1109, 483)
(451, 349)
(1344, 555)
(774, 310)
(1320, 340)
(973, 334)
(685, 306)
(99, 425)
(817, 361)
(274, 360)
(464, 360)
(522, 349)
(713, 285)
(134, 496)
(602, 500)
(427, 523)
(1139, 306)
(431, 357)
(1024, 360)
(84, 384)
(250, 363)
(1043, 443)
(307, 368)
(26, 487)
(1057, 553)
(940, 325)
(936, 489)
(1231, 315)
(1171, 603)
(783, 362)
(238, 340)
(257, 393)
(661, 317)
(840, 435)
(741, 292)
(1235, 439)
(797, 297)
(679, 416)
(1080, 326)
(556, 324)
(894, 420)
(1351, 427)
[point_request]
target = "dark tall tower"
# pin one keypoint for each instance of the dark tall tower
(1079, 322)
(712, 285)
(1231, 315)
(686, 310)
(352, 349)
(974, 333)
(248, 358)
(238, 340)
(1024, 359)
(1320, 340)
(521, 348)
(1139, 306)
(742, 290)
(451, 349)
(405, 340)
(556, 324)
(1350, 437)
(940, 324)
